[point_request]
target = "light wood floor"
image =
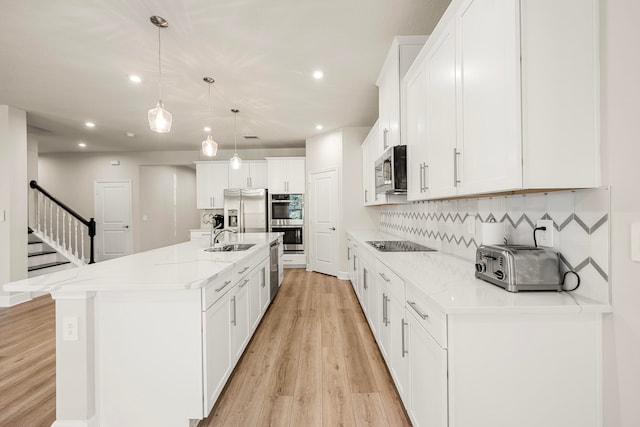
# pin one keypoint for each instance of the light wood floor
(311, 362)
(28, 364)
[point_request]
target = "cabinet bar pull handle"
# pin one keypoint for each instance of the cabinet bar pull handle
(244, 283)
(417, 309)
(225, 284)
(365, 196)
(384, 277)
(421, 177)
(385, 132)
(364, 278)
(384, 309)
(233, 321)
(404, 350)
(243, 270)
(424, 171)
(456, 181)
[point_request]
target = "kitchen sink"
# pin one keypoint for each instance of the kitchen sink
(235, 247)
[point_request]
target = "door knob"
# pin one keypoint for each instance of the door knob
(125, 226)
(332, 228)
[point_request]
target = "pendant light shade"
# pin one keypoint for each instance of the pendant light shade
(159, 118)
(209, 146)
(235, 162)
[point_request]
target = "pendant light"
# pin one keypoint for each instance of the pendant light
(159, 118)
(209, 146)
(236, 161)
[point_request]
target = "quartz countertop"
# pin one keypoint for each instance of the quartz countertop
(450, 282)
(182, 266)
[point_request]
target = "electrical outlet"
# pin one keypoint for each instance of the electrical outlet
(70, 329)
(545, 237)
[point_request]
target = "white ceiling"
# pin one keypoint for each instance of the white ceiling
(67, 62)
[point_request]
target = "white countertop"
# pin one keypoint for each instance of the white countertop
(181, 266)
(450, 282)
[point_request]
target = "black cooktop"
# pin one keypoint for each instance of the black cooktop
(398, 246)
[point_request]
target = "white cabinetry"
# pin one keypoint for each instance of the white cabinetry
(392, 327)
(252, 174)
(216, 342)
(494, 113)
(403, 51)
(370, 153)
(286, 175)
(211, 180)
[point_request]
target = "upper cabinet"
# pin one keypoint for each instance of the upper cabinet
(211, 180)
(286, 175)
(370, 153)
(494, 103)
(403, 51)
(252, 174)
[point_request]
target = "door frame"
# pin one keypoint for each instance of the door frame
(310, 227)
(95, 209)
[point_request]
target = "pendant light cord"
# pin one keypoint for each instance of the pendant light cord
(159, 67)
(235, 132)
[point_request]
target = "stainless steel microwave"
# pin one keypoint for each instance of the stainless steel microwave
(391, 171)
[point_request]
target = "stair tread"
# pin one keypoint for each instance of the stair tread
(41, 253)
(47, 265)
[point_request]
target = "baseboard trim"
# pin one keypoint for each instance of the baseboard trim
(92, 422)
(343, 275)
(14, 298)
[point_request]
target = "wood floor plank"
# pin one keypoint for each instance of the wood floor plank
(275, 412)
(369, 412)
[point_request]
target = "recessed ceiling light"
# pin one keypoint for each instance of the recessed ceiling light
(130, 134)
(90, 124)
(207, 129)
(319, 127)
(82, 145)
(318, 74)
(135, 78)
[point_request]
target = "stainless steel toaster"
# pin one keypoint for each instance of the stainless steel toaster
(519, 268)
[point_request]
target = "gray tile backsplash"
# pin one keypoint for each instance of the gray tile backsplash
(580, 219)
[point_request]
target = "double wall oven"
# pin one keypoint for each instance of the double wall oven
(287, 217)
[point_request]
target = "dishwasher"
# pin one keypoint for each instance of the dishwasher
(274, 275)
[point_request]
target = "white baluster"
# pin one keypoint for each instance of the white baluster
(82, 245)
(50, 220)
(76, 228)
(58, 225)
(63, 230)
(44, 215)
(37, 211)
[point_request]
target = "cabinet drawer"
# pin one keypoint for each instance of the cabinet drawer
(393, 284)
(245, 265)
(427, 314)
(216, 287)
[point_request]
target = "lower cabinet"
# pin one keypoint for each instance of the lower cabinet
(426, 388)
(217, 353)
(239, 318)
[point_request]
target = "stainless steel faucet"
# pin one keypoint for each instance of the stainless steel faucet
(214, 237)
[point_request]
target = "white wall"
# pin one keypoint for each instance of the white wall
(341, 149)
(620, 67)
(167, 205)
(13, 198)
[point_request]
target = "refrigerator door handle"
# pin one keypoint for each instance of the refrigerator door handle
(241, 224)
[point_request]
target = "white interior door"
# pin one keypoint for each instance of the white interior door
(323, 215)
(113, 219)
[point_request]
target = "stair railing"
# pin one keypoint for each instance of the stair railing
(60, 223)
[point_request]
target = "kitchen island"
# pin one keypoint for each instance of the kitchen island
(151, 338)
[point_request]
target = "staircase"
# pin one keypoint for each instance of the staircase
(43, 259)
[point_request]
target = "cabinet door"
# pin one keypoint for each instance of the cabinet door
(220, 182)
(277, 175)
(296, 176)
(216, 331)
(441, 116)
(389, 106)
(239, 319)
(426, 396)
(258, 175)
(397, 348)
(265, 286)
(239, 178)
(415, 119)
(255, 304)
(204, 186)
(489, 97)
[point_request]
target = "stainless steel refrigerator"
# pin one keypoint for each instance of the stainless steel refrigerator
(246, 210)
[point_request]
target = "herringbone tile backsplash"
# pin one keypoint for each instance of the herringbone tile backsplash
(580, 219)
